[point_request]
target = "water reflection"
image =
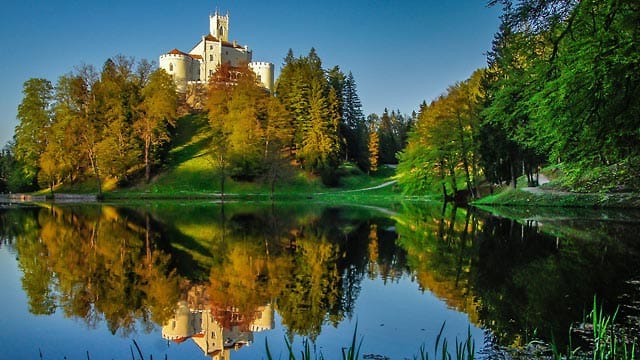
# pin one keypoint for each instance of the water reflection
(231, 269)
(216, 331)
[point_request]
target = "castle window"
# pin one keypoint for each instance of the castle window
(170, 67)
(210, 57)
(210, 47)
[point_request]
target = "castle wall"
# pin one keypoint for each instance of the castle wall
(235, 56)
(211, 54)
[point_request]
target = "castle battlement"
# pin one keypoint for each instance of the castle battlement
(260, 64)
(175, 56)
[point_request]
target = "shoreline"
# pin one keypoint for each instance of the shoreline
(537, 197)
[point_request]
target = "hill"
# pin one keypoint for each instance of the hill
(189, 172)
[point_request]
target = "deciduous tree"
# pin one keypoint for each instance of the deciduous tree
(157, 113)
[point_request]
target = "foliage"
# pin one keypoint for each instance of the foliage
(326, 115)
(562, 82)
(393, 130)
(373, 148)
(157, 114)
(443, 147)
(35, 116)
(82, 264)
(93, 123)
(249, 128)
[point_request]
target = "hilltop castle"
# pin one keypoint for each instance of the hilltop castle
(197, 65)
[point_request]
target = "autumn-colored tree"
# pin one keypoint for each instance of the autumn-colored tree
(157, 113)
(373, 148)
(77, 125)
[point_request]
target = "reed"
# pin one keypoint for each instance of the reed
(607, 342)
(463, 350)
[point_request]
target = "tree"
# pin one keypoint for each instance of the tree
(443, 143)
(117, 95)
(157, 113)
(563, 84)
(277, 136)
(35, 117)
(7, 164)
(354, 129)
(77, 125)
(314, 101)
(373, 148)
(320, 145)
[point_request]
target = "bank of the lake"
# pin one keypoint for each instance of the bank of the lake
(538, 197)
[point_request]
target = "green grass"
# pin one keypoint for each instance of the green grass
(517, 197)
(189, 173)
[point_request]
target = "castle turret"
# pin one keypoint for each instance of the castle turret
(182, 67)
(264, 73)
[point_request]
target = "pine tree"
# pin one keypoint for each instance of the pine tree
(355, 131)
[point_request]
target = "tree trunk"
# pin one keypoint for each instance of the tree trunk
(96, 171)
(465, 160)
(452, 174)
(513, 174)
(147, 165)
(443, 180)
(222, 176)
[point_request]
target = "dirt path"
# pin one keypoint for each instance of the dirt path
(537, 190)
(388, 183)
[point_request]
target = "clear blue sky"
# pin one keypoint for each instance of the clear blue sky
(400, 52)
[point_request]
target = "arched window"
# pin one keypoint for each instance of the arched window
(171, 67)
(221, 32)
(211, 57)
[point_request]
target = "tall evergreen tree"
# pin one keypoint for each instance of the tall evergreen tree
(355, 130)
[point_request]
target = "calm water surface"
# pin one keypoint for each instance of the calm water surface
(196, 280)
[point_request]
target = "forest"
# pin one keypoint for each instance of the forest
(119, 123)
(561, 91)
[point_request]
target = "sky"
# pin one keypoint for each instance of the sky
(401, 53)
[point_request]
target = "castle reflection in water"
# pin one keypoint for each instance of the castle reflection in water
(215, 329)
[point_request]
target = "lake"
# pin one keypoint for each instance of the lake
(198, 280)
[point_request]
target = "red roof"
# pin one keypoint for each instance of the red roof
(178, 52)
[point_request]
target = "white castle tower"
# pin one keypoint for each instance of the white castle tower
(219, 26)
(214, 49)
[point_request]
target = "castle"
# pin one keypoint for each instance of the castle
(214, 49)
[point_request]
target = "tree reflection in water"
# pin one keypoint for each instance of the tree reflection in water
(230, 268)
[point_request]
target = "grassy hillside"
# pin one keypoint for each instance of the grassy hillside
(190, 172)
